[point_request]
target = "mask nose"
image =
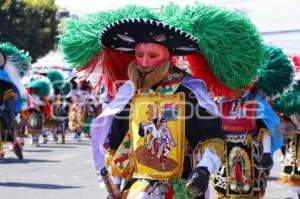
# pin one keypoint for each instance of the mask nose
(144, 62)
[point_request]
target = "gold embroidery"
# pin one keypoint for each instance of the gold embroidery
(9, 93)
(292, 160)
(249, 170)
(215, 144)
(123, 163)
(293, 181)
(157, 128)
(109, 156)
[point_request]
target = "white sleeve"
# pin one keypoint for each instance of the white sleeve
(210, 160)
(266, 143)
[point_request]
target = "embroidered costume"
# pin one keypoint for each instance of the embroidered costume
(250, 126)
(52, 116)
(78, 111)
(161, 132)
(242, 175)
(39, 87)
(288, 105)
(13, 64)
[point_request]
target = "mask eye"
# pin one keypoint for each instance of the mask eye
(139, 54)
(153, 55)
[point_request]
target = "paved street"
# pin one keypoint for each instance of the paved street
(57, 171)
(276, 190)
(51, 171)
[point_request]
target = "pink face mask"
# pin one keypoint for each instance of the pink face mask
(150, 55)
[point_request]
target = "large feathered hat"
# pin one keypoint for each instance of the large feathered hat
(11, 54)
(38, 85)
(277, 73)
(220, 39)
(289, 103)
(125, 34)
(14, 63)
(56, 78)
(226, 39)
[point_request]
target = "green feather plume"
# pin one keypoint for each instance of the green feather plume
(277, 72)
(230, 42)
(20, 58)
(66, 89)
(79, 42)
(56, 78)
(181, 191)
(289, 102)
(41, 87)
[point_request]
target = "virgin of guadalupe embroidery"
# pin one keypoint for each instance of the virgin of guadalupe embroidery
(240, 180)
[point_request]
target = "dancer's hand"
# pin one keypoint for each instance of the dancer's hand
(198, 180)
(266, 161)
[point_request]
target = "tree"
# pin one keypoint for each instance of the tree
(29, 24)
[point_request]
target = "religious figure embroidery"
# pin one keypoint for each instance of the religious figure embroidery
(239, 170)
(158, 138)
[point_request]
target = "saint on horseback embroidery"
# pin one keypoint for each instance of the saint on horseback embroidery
(157, 136)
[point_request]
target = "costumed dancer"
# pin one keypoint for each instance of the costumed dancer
(162, 131)
(288, 105)
(55, 122)
(28, 102)
(250, 125)
(39, 88)
(91, 107)
(61, 107)
(13, 64)
(78, 111)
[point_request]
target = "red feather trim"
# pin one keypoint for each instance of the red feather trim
(296, 60)
(108, 68)
(89, 72)
(115, 66)
(201, 69)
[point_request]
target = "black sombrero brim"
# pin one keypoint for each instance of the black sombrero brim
(123, 36)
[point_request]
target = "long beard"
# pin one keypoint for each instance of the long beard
(151, 78)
